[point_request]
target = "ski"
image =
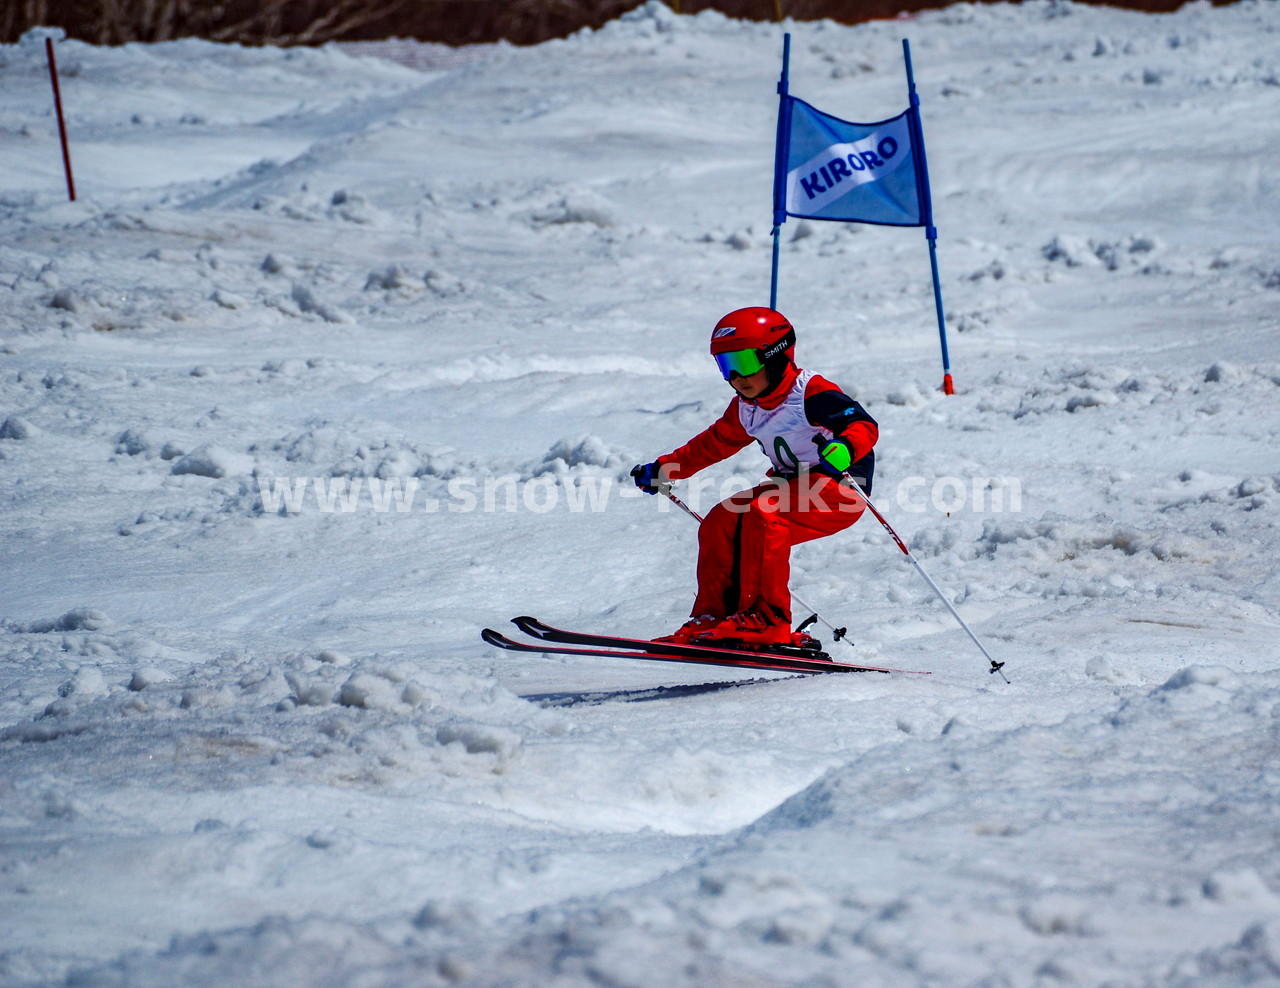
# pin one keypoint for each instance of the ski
(713, 657)
(781, 658)
(545, 632)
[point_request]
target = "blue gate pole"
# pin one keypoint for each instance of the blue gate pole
(926, 213)
(780, 165)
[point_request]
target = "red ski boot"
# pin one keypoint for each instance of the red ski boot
(747, 628)
(687, 632)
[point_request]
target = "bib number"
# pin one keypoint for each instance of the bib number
(785, 459)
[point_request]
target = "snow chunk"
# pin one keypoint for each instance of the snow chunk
(1245, 885)
(1064, 539)
(146, 676)
(395, 278)
(654, 15)
(328, 839)
(775, 906)
(368, 691)
(1057, 915)
(1192, 676)
(78, 619)
(15, 427)
(383, 689)
(1223, 373)
(1254, 959)
(275, 263)
(1071, 250)
(909, 396)
(131, 442)
(309, 692)
(66, 300)
(578, 207)
(215, 462)
(1251, 486)
(1091, 399)
(229, 300)
(306, 301)
(444, 284)
(445, 915)
(59, 805)
(480, 739)
(1074, 252)
(355, 208)
(207, 698)
(1101, 668)
(303, 952)
(42, 730)
(580, 454)
(88, 681)
(36, 36)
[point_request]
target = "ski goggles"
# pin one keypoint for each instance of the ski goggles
(743, 362)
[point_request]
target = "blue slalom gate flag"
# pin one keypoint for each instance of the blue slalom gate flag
(855, 172)
(826, 168)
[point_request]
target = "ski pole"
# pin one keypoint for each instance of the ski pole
(866, 501)
(853, 486)
(837, 634)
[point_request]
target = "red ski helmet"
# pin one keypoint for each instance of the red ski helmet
(752, 339)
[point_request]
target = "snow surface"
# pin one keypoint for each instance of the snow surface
(248, 741)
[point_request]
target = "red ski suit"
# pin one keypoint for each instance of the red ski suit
(744, 543)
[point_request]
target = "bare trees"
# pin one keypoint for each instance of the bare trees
(16, 16)
(304, 22)
(282, 22)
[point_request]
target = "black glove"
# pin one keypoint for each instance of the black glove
(647, 476)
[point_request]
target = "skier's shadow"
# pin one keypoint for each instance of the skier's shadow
(592, 697)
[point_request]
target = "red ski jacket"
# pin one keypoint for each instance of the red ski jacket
(783, 422)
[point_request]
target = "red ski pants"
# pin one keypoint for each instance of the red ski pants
(744, 543)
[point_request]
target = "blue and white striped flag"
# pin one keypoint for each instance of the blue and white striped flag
(834, 169)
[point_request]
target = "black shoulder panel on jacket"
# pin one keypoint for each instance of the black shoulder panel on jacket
(834, 410)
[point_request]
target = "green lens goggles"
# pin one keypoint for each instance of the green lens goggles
(743, 362)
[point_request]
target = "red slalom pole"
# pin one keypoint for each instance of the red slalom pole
(62, 123)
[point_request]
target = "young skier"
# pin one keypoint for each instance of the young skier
(812, 433)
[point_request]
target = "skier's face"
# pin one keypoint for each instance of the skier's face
(751, 385)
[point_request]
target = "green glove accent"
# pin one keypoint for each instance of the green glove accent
(837, 456)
